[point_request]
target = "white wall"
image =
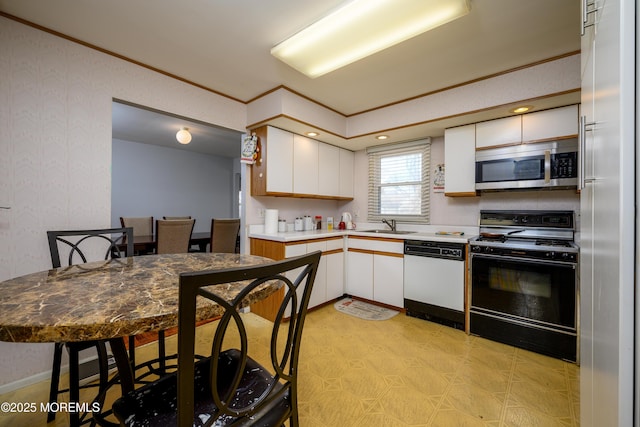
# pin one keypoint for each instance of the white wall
(148, 180)
(55, 149)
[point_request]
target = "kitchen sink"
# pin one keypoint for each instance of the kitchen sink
(388, 231)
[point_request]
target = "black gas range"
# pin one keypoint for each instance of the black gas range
(527, 234)
(524, 281)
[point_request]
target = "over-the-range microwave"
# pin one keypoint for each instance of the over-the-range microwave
(543, 165)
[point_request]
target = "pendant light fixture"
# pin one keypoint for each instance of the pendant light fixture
(183, 136)
(361, 28)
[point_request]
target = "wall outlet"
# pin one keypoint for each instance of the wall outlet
(261, 212)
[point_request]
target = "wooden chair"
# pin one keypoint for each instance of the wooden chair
(142, 226)
(176, 217)
(230, 387)
(173, 235)
(77, 246)
(224, 235)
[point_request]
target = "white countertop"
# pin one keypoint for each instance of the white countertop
(425, 233)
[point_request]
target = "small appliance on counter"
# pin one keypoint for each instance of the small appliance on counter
(348, 221)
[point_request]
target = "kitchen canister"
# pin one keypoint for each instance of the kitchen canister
(308, 223)
(271, 221)
(298, 225)
(282, 226)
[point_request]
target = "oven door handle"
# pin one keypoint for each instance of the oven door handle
(571, 264)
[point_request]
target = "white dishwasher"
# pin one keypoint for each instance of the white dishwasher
(434, 281)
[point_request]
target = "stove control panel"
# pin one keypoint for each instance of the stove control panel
(526, 253)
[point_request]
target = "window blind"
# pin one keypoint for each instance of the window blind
(399, 182)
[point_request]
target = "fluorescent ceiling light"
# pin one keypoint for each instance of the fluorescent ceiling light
(361, 28)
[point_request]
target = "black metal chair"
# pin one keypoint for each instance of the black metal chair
(77, 246)
(230, 387)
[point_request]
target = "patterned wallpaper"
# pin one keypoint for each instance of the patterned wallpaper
(55, 148)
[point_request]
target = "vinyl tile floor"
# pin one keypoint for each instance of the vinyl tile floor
(398, 372)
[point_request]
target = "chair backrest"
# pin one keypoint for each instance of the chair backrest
(81, 246)
(297, 276)
(224, 235)
(142, 226)
(176, 217)
(173, 235)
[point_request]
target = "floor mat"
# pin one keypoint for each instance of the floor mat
(364, 310)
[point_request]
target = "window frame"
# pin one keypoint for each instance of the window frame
(375, 154)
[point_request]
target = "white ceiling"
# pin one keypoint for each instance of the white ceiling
(133, 123)
(224, 44)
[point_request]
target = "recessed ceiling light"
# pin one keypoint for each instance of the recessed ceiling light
(522, 109)
(312, 134)
(381, 137)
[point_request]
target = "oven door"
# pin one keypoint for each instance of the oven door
(538, 293)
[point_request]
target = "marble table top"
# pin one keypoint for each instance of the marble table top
(110, 299)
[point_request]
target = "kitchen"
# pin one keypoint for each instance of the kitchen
(39, 180)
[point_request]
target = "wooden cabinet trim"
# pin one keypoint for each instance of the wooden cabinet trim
(378, 239)
(333, 251)
(305, 241)
(373, 252)
(555, 138)
(462, 194)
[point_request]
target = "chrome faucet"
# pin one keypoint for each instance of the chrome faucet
(391, 223)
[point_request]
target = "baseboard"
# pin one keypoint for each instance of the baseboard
(88, 372)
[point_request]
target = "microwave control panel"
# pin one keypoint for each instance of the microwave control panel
(564, 165)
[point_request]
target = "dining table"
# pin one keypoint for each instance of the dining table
(113, 299)
(147, 243)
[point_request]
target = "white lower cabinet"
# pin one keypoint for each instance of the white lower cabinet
(375, 271)
(329, 283)
(360, 274)
(388, 281)
(335, 275)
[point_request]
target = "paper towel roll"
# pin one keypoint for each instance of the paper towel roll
(271, 221)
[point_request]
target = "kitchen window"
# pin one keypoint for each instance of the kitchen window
(399, 182)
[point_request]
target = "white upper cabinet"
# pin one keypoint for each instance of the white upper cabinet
(345, 187)
(292, 165)
(459, 158)
(305, 165)
(329, 170)
(550, 124)
(506, 131)
(279, 153)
